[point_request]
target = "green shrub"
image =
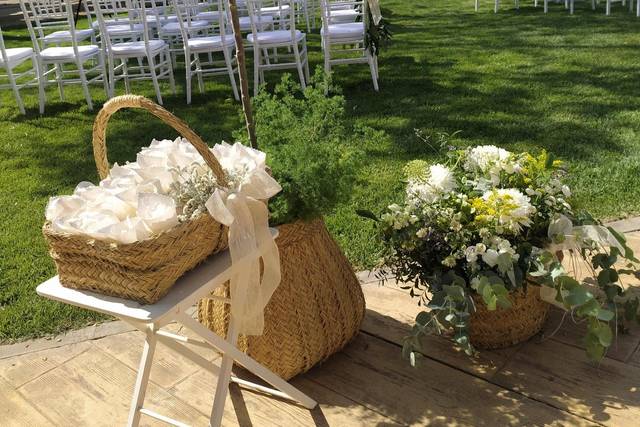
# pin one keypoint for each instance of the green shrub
(310, 150)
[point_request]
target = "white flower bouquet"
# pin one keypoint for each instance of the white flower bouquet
(490, 223)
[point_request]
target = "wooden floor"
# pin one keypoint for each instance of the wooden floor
(547, 381)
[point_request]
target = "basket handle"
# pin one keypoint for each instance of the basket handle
(137, 101)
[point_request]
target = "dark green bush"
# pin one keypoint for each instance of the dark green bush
(310, 149)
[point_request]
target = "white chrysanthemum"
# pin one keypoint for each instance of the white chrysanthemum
(490, 160)
(439, 181)
(513, 210)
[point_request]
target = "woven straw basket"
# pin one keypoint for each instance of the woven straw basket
(143, 271)
(506, 327)
(316, 310)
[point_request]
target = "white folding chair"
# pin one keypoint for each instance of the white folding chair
(151, 319)
(496, 5)
(140, 47)
(13, 58)
(71, 53)
(288, 37)
(344, 42)
(195, 46)
(52, 13)
(610, 3)
(171, 32)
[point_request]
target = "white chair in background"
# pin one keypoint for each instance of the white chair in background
(13, 58)
(344, 42)
(53, 14)
(72, 53)
(116, 21)
(496, 5)
(171, 32)
(154, 51)
(195, 46)
(287, 37)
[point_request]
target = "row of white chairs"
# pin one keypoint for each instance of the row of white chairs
(570, 5)
(129, 40)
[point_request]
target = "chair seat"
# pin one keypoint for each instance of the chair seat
(345, 31)
(205, 44)
(275, 37)
(65, 53)
(136, 48)
(209, 16)
(245, 22)
(174, 27)
(110, 22)
(63, 36)
(125, 29)
(16, 56)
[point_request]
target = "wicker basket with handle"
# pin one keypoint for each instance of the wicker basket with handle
(317, 309)
(145, 270)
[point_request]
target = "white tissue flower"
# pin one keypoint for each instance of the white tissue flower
(440, 180)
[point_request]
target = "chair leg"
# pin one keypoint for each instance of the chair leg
(478, 4)
(105, 83)
(16, 91)
(608, 8)
(42, 97)
(546, 6)
(296, 54)
(199, 74)
(59, 77)
(142, 379)
(496, 6)
(172, 81)
(232, 77)
(154, 77)
(224, 378)
(125, 74)
(85, 84)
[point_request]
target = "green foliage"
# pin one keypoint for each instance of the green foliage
(310, 149)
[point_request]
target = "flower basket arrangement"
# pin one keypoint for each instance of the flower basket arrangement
(319, 305)
(145, 224)
(479, 237)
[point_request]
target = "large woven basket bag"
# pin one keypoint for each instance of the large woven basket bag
(316, 310)
(142, 271)
(502, 328)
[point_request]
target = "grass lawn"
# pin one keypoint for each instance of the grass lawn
(518, 79)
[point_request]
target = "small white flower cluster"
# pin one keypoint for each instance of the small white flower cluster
(489, 160)
(399, 217)
(134, 202)
(489, 251)
(439, 181)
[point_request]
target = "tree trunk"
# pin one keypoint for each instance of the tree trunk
(242, 70)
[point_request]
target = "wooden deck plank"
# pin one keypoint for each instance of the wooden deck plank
(561, 375)
(95, 389)
(20, 370)
(371, 372)
(249, 408)
(168, 367)
(16, 411)
(572, 333)
(390, 315)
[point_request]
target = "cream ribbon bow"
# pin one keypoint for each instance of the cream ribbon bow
(242, 210)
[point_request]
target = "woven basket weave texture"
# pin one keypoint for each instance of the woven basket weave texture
(506, 327)
(317, 309)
